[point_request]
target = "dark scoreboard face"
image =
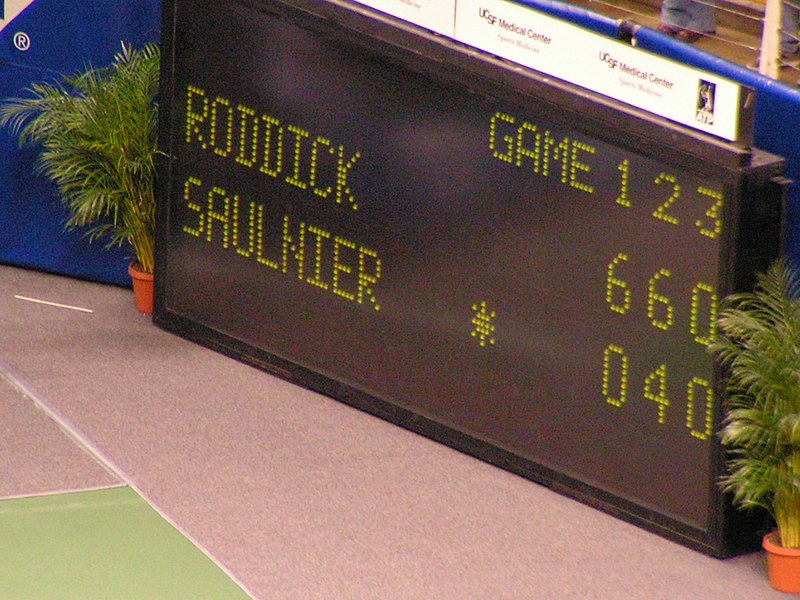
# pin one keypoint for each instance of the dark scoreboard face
(455, 251)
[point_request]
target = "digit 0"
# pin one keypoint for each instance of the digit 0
(615, 367)
(706, 303)
(695, 387)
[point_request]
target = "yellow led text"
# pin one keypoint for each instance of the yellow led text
(265, 143)
(311, 253)
(525, 145)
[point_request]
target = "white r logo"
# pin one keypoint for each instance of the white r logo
(22, 41)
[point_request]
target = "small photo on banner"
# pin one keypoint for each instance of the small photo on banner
(705, 102)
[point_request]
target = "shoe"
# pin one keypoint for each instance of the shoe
(690, 36)
(791, 59)
(671, 31)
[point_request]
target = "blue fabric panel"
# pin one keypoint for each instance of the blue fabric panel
(69, 34)
(31, 222)
(65, 36)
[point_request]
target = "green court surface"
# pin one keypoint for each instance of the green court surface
(101, 545)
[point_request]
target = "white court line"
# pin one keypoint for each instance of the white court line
(88, 310)
(84, 442)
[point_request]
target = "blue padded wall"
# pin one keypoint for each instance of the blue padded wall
(64, 36)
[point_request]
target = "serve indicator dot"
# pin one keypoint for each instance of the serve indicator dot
(483, 324)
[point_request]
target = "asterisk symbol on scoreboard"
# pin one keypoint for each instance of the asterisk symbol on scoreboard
(482, 320)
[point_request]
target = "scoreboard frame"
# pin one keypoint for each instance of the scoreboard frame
(751, 217)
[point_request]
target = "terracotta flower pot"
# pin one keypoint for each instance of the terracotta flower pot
(783, 564)
(142, 289)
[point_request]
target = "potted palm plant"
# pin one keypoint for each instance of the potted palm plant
(97, 132)
(760, 347)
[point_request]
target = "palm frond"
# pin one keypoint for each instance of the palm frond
(97, 132)
(759, 348)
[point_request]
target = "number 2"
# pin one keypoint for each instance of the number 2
(661, 211)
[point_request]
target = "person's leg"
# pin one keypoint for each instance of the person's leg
(701, 18)
(789, 25)
(674, 13)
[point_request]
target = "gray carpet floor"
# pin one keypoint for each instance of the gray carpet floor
(37, 457)
(295, 495)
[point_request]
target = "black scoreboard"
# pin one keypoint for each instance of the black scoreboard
(503, 262)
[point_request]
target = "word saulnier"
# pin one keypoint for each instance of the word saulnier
(313, 254)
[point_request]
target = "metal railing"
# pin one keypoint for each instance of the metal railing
(751, 35)
(779, 29)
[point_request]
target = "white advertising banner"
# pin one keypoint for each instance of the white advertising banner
(436, 15)
(694, 98)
